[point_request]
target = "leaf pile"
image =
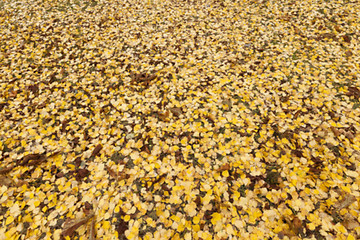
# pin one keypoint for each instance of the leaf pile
(179, 119)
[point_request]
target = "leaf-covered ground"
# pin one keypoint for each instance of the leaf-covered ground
(179, 119)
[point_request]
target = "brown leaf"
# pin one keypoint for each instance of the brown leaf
(87, 208)
(96, 150)
(92, 232)
(112, 172)
(6, 181)
(64, 124)
(21, 182)
(32, 159)
(176, 111)
(335, 131)
(123, 176)
(337, 28)
(350, 222)
(143, 79)
(81, 173)
(347, 200)
(354, 92)
(348, 53)
(6, 170)
(145, 148)
(349, 135)
(2, 105)
(224, 167)
(347, 38)
(164, 116)
(71, 226)
(295, 225)
(121, 227)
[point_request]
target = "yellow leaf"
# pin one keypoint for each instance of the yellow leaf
(215, 218)
(311, 226)
(9, 220)
(196, 219)
(225, 173)
(350, 237)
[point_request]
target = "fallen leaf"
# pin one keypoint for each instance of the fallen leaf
(71, 226)
(353, 92)
(96, 151)
(92, 232)
(32, 159)
(111, 172)
(295, 225)
(224, 167)
(164, 116)
(346, 38)
(350, 222)
(6, 170)
(81, 173)
(335, 131)
(6, 181)
(176, 111)
(121, 227)
(345, 202)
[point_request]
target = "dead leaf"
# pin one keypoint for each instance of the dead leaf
(176, 111)
(145, 148)
(350, 222)
(111, 172)
(6, 181)
(346, 38)
(348, 53)
(353, 92)
(71, 226)
(121, 227)
(6, 170)
(345, 202)
(96, 150)
(335, 131)
(337, 28)
(143, 79)
(32, 159)
(349, 135)
(92, 232)
(164, 116)
(224, 167)
(81, 173)
(295, 225)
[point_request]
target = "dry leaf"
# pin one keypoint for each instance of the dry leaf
(96, 150)
(176, 111)
(350, 222)
(6, 170)
(345, 202)
(71, 226)
(335, 131)
(6, 181)
(349, 135)
(111, 172)
(346, 38)
(164, 116)
(92, 232)
(224, 167)
(295, 225)
(32, 159)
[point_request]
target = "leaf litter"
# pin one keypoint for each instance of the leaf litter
(188, 119)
